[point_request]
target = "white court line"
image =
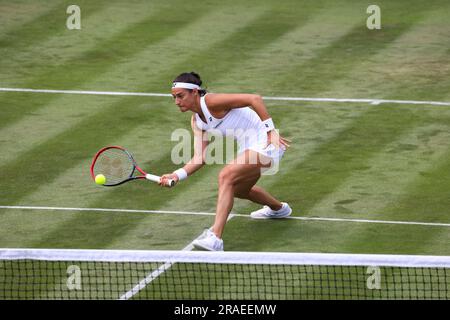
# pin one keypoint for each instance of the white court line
(107, 210)
(101, 93)
(156, 273)
(144, 94)
(433, 224)
(152, 276)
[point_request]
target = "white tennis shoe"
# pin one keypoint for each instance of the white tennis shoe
(208, 241)
(267, 213)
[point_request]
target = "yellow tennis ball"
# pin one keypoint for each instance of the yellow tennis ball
(100, 179)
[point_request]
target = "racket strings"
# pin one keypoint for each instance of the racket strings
(115, 165)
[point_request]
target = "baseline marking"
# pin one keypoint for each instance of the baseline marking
(433, 224)
(150, 94)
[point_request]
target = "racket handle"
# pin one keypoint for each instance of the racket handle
(171, 183)
(157, 179)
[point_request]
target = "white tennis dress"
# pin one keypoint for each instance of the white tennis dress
(244, 125)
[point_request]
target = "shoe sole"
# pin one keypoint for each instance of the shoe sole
(272, 217)
(203, 248)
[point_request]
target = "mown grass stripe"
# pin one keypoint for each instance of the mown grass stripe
(361, 125)
(38, 126)
(340, 86)
(18, 13)
(47, 119)
(361, 237)
(234, 50)
(95, 231)
(102, 231)
(305, 185)
(41, 161)
(65, 45)
(143, 141)
(335, 160)
(399, 198)
(322, 171)
(196, 30)
(318, 29)
(385, 176)
(304, 75)
(424, 195)
(395, 75)
(49, 116)
(309, 77)
(415, 32)
(74, 186)
(104, 56)
(44, 26)
(428, 192)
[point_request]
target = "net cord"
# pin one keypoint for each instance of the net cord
(230, 257)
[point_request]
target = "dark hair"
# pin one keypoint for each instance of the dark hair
(191, 77)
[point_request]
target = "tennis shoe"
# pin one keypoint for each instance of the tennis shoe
(267, 213)
(209, 241)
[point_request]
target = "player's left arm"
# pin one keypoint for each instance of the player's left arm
(220, 102)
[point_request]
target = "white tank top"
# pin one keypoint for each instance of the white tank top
(243, 124)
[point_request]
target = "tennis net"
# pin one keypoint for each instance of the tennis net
(124, 274)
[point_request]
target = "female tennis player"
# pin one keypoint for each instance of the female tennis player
(245, 117)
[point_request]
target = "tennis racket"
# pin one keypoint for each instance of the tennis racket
(118, 166)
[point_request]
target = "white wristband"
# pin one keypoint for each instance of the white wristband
(268, 124)
(181, 174)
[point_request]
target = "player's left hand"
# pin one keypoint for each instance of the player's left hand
(277, 140)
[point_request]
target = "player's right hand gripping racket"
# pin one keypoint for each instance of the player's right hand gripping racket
(118, 166)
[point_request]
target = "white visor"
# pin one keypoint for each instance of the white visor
(185, 85)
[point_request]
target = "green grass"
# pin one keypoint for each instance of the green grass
(355, 160)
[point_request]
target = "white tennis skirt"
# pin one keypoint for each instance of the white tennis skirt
(270, 151)
(258, 143)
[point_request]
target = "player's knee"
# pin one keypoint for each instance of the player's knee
(241, 194)
(226, 176)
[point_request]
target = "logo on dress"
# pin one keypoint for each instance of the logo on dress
(218, 124)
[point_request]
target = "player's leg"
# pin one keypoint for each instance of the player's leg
(231, 178)
(273, 208)
(239, 177)
(249, 191)
(238, 180)
(241, 170)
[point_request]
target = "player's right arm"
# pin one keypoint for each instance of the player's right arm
(198, 159)
(200, 144)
